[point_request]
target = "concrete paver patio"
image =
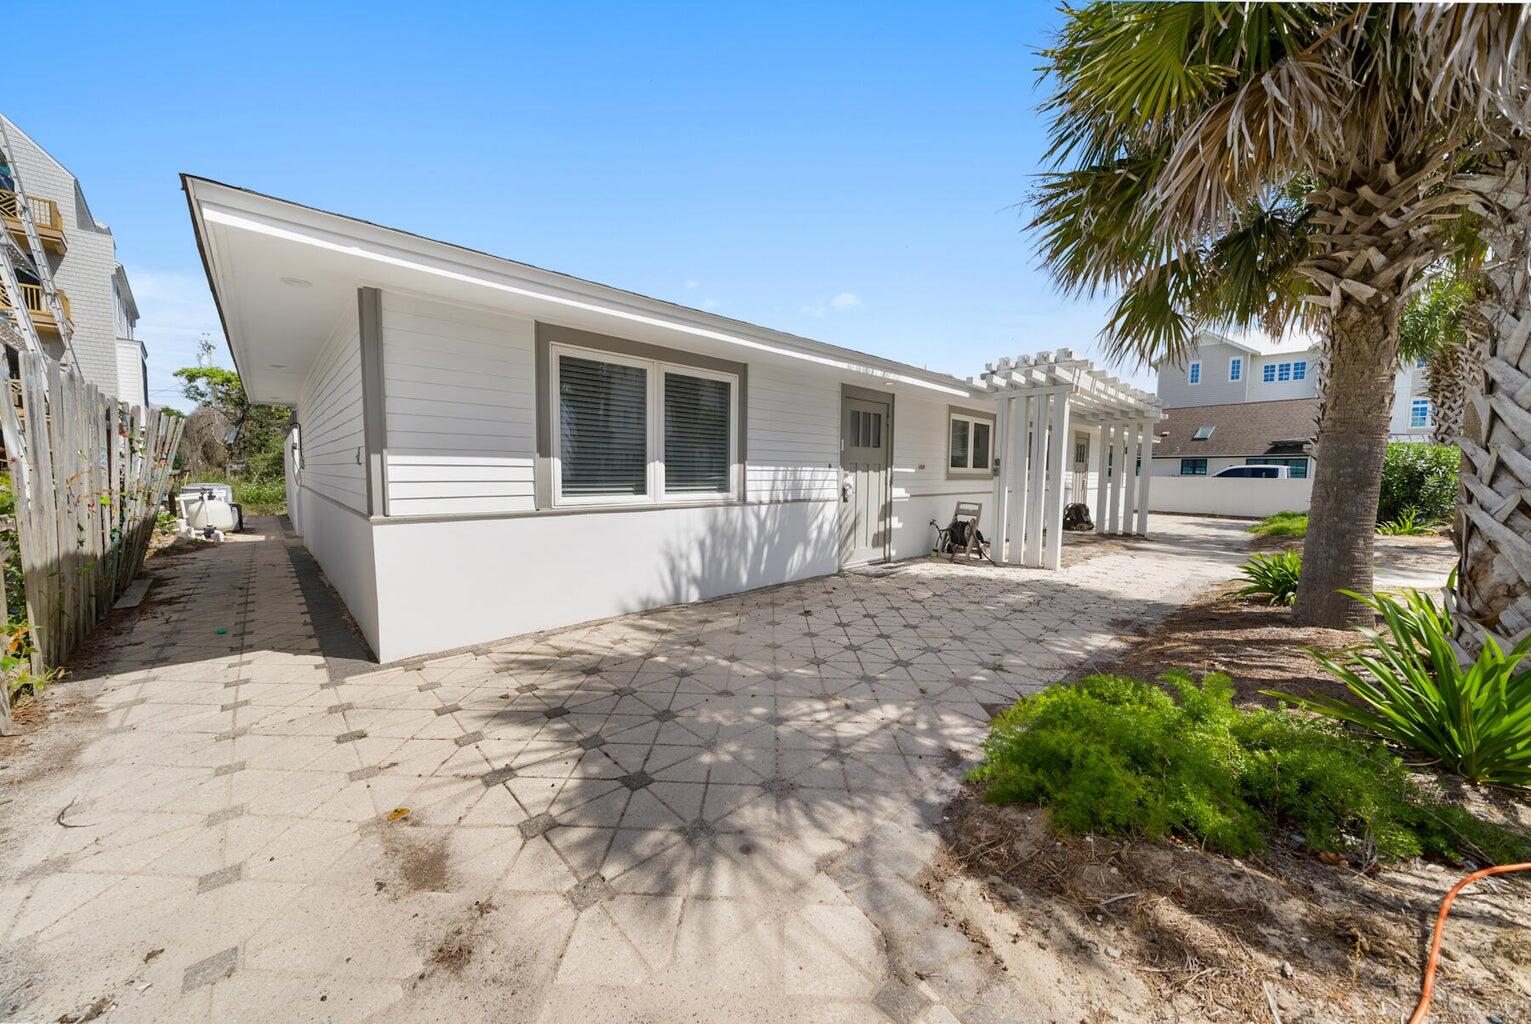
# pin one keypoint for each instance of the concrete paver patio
(709, 812)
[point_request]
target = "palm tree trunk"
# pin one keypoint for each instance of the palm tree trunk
(1453, 374)
(1354, 418)
(1493, 585)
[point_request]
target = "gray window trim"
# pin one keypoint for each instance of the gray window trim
(373, 399)
(946, 443)
(548, 335)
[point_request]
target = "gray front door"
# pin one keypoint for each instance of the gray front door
(866, 503)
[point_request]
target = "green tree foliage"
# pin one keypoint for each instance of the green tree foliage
(1420, 477)
(256, 452)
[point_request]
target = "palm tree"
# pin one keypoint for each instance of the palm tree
(1493, 585)
(1280, 164)
(1437, 329)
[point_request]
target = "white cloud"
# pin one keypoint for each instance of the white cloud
(692, 283)
(840, 302)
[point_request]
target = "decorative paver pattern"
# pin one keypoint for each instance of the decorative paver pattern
(677, 815)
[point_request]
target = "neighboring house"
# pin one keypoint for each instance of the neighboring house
(1223, 371)
(1202, 440)
(483, 448)
(82, 259)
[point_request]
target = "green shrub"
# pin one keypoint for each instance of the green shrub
(1474, 720)
(1404, 526)
(1421, 476)
(1282, 524)
(1272, 577)
(261, 497)
(1120, 757)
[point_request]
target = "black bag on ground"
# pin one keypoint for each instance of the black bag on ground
(1076, 516)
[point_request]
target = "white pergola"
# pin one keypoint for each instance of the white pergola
(1042, 401)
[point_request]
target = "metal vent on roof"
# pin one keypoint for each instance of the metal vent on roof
(1202, 433)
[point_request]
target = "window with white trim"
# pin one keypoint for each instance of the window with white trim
(1419, 412)
(970, 444)
(1236, 368)
(1268, 373)
(1300, 370)
(631, 431)
(1194, 374)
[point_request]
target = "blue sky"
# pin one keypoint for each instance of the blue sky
(850, 173)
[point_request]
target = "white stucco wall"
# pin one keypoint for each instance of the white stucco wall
(341, 541)
(1229, 496)
(447, 584)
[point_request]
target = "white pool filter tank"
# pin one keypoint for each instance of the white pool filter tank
(209, 508)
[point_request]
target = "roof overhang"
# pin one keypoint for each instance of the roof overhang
(284, 277)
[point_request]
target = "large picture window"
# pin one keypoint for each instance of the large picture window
(631, 430)
(970, 445)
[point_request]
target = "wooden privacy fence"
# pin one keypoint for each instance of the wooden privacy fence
(89, 475)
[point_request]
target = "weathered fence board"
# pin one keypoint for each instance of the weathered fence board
(89, 475)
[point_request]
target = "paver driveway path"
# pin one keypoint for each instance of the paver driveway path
(706, 813)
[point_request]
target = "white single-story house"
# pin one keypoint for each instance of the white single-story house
(483, 448)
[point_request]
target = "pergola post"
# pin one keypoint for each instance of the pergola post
(1036, 482)
(1020, 462)
(1129, 479)
(1057, 453)
(997, 501)
(1118, 446)
(1102, 480)
(1145, 474)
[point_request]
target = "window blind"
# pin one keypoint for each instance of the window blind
(602, 427)
(696, 426)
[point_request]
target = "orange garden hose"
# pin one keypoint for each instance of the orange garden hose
(1440, 926)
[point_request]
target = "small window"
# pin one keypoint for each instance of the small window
(1420, 362)
(1236, 368)
(1193, 467)
(1296, 469)
(1195, 373)
(970, 444)
(1419, 412)
(1268, 373)
(1300, 370)
(1283, 371)
(960, 443)
(602, 428)
(1202, 433)
(697, 430)
(980, 446)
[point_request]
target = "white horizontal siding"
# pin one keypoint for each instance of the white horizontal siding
(793, 435)
(461, 409)
(330, 419)
(920, 439)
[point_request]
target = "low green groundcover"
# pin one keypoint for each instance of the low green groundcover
(1115, 756)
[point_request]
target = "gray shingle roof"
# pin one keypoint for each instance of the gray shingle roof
(1246, 428)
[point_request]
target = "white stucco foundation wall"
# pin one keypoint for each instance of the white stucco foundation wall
(1229, 496)
(443, 584)
(341, 541)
